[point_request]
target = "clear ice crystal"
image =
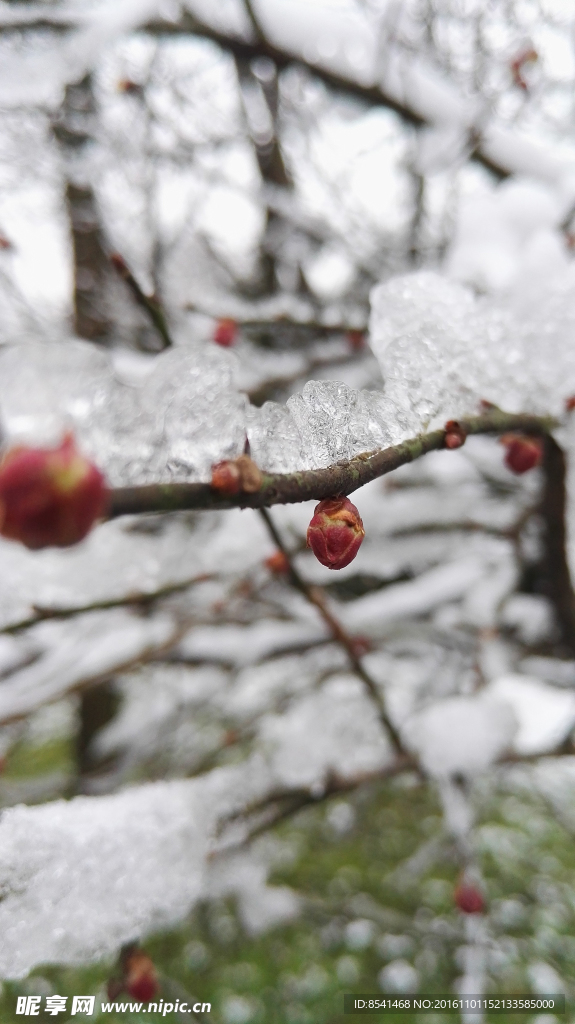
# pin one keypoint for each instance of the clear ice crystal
(441, 350)
(336, 422)
(200, 418)
(275, 441)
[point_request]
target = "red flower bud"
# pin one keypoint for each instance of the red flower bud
(570, 403)
(126, 85)
(138, 976)
(335, 532)
(523, 453)
(234, 475)
(468, 898)
(277, 562)
(226, 477)
(225, 333)
(455, 434)
(356, 340)
(49, 497)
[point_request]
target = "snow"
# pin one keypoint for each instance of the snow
(544, 714)
(463, 735)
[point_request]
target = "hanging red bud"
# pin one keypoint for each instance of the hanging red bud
(234, 475)
(277, 563)
(49, 497)
(225, 333)
(455, 434)
(523, 453)
(335, 532)
(468, 898)
(570, 403)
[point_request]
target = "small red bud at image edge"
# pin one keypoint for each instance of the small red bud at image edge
(335, 532)
(49, 497)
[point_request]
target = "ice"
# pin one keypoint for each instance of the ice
(200, 418)
(275, 441)
(441, 351)
(336, 422)
(462, 735)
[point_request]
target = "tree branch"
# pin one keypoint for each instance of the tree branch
(316, 597)
(314, 484)
(149, 303)
(141, 598)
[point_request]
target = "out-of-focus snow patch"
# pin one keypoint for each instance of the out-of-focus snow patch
(261, 906)
(545, 715)
(333, 730)
(530, 615)
(417, 597)
(82, 651)
(462, 735)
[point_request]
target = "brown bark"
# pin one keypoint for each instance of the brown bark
(555, 578)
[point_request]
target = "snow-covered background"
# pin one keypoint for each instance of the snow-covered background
(382, 196)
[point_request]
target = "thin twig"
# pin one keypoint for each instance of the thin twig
(149, 303)
(314, 484)
(141, 598)
(316, 597)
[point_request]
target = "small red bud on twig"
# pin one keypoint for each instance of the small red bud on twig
(225, 333)
(226, 477)
(5, 243)
(468, 898)
(570, 403)
(49, 497)
(455, 434)
(234, 475)
(278, 563)
(126, 85)
(335, 532)
(141, 979)
(523, 453)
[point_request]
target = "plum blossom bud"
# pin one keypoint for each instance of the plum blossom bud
(277, 563)
(234, 475)
(455, 434)
(335, 532)
(523, 453)
(225, 333)
(570, 403)
(226, 477)
(468, 898)
(49, 497)
(141, 979)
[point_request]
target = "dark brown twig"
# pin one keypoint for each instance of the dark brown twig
(314, 484)
(149, 303)
(139, 597)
